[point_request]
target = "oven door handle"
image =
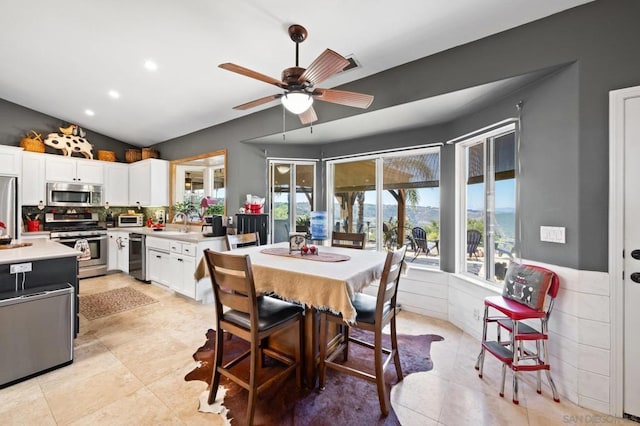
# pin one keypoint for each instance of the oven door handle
(71, 240)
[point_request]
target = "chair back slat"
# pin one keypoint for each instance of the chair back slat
(232, 282)
(388, 288)
(348, 240)
(237, 301)
(242, 240)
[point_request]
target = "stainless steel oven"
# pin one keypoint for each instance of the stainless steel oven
(70, 228)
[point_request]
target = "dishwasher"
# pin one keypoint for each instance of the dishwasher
(36, 331)
(137, 257)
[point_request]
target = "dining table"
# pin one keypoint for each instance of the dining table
(328, 279)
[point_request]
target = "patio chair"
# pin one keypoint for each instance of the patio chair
(473, 241)
(419, 242)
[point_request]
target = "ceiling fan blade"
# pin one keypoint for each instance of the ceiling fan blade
(309, 116)
(352, 99)
(250, 73)
(257, 102)
(323, 67)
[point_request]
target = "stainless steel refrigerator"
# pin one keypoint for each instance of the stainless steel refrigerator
(9, 204)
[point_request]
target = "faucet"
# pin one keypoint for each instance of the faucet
(183, 218)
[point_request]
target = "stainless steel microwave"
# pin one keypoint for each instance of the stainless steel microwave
(73, 195)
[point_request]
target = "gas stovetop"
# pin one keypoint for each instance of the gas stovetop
(73, 225)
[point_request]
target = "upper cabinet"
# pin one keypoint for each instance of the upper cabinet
(10, 160)
(32, 184)
(60, 168)
(116, 184)
(148, 183)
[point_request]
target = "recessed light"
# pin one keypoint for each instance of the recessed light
(89, 112)
(114, 94)
(150, 65)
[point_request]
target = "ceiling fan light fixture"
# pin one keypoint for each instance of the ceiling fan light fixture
(297, 102)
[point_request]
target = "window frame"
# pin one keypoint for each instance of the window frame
(379, 158)
(487, 137)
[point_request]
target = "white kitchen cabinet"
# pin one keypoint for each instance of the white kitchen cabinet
(60, 168)
(173, 263)
(116, 184)
(158, 266)
(149, 182)
(181, 274)
(10, 160)
(32, 184)
(118, 253)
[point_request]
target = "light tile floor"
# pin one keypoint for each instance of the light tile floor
(129, 368)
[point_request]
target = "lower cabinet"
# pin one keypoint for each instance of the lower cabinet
(172, 263)
(182, 269)
(158, 267)
(118, 253)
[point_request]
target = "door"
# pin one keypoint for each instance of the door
(631, 295)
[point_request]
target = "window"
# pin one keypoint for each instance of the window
(292, 197)
(387, 196)
(487, 203)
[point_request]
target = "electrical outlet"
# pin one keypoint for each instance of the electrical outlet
(20, 267)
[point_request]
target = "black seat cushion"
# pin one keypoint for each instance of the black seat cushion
(366, 308)
(271, 312)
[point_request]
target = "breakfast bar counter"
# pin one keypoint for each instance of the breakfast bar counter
(38, 249)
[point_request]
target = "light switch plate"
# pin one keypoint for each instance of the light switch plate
(553, 234)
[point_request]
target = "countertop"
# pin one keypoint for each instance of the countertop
(170, 233)
(40, 249)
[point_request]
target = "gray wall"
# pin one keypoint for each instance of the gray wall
(15, 120)
(565, 138)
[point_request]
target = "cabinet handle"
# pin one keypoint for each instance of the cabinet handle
(158, 257)
(180, 260)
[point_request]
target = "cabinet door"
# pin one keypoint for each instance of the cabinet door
(176, 273)
(140, 183)
(112, 255)
(60, 169)
(157, 266)
(116, 184)
(10, 160)
(33, 188)
(188, 282)
(123, 253)
(89, 171)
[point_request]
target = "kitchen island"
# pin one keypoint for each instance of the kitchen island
(42, 263)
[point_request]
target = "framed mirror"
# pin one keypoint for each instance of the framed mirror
(198, 186)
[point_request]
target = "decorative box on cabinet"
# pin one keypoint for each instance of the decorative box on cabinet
(246, 223)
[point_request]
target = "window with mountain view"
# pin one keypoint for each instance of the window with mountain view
(292, 197)
(488, 214)
(394, 198)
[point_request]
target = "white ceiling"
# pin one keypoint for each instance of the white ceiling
(62, 57)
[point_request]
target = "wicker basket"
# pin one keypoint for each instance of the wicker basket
(32, 142)
(133, 155)
(149, 153)
(106, 155)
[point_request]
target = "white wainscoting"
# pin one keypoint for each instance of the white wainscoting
(580, 325)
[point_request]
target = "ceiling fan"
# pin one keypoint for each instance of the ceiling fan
(299, 83)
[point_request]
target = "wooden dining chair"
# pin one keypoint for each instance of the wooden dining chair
(252, 319)
(242, 240)
(372, 314)
(348, 240)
